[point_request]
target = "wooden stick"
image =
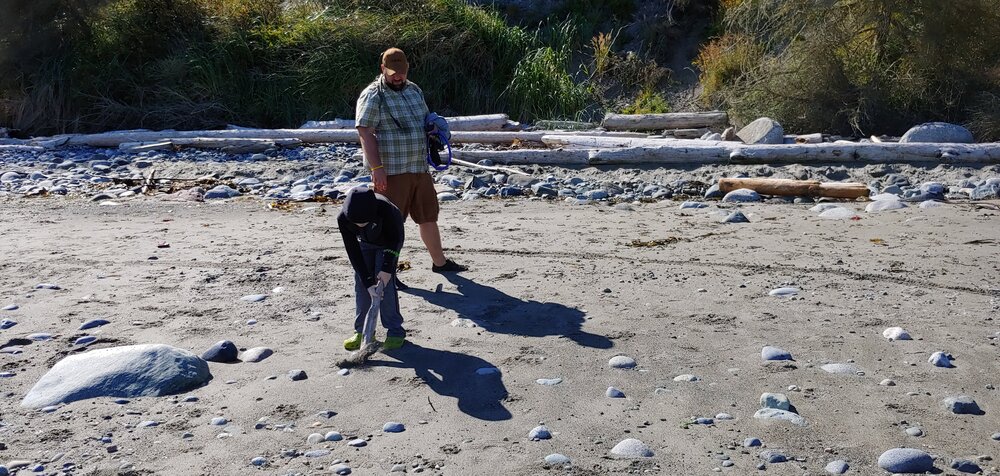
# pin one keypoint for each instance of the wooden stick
(795, 188)
(487, 167)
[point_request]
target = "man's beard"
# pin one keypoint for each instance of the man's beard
(401, 86)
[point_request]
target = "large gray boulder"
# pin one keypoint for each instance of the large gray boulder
(762, 131)
(148, 370)
(938, 132)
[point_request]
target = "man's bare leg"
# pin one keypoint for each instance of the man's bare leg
(431, 236)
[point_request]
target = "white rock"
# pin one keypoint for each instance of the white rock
(896, 333)
(686, 378)
(632, 448)
(838, 213)
(774, 414)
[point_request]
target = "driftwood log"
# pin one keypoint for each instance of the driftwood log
(485, 122)
(675, 120)
(235, 146)
(795, 188)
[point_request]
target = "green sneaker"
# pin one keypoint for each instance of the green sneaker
(393, 343)
(354, 343)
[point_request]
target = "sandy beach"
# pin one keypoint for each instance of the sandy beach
(554, 292)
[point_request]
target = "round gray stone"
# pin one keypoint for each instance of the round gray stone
(905, 460)
(938, 132)
(837, 467)
(539, 433)
(774, 353)
(632, 448)
(622, 362)
(557, 459)
(257, 354)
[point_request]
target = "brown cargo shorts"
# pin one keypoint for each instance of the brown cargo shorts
(415, 197)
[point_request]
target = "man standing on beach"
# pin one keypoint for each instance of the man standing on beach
(390, 118)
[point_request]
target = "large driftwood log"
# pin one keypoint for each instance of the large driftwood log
(675, 120)
(600, 142)
(525, 156)
(795, 188)
(241, 145)
(484, 122)
(20, 148)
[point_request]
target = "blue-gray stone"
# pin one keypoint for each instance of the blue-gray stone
(85, 340)
(736, 217)
(772, 456)
(892, 189)
(985, 192)
(775, 353)
(340, 469)
(11, 307)
(905, 460)
(511, 192)
(938, 132)
(224, 351)
(784, 292)
(762, 131)
(774, 414)
(613, 392)
(40, 336)
(691, 204)
(257, 354)
(775, 400)
(128, 371)
(447, 197)
(713, 192)
(333, 436)
(218, 421)
(357, 443)
(595, 195)
(316, 453)
(965, 466)
(632, 448)
(941, 359)
(253, 298)
(297, 375)
(751, 442)
(549, 381)
(393, 427)
(7, 324)
(742, 195)
(704, 421)
(962, 405)
(543, 189)
(93, 323)
(259, 461)
(842, 368)
(221, 191)
(539, 433)
(884, 205)
(837, 467)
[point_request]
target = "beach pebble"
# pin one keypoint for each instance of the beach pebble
(905, 460)
(896, 333)
(340, 469)
(224, 351)
(556, 459)
(621, 362)
(940, 359)
(333, 436)
(724, 416)
(838, 213)
(774, 353)
(257, 354)
(774, 414)
(357, 443)
(772, 456)
(686, 378)
(930, 204)
(887, 383)
(884, 205)
(784, 292)
(253, 298)
(549, 381)
(127, 372)
(632, 448)
(690, 204)
(315, 438)
(218, 421)
(316, 453)
(837, 467)
(914, 431)
(259, 461)
(964, 466)
(995, 436)
(842, 368)
(822, 207)
(463, 322)
(775, 400)
(751, 442)
(47, 286)
(344, 372)
(7, 324)
(11, 307)
(92, 324)
(85, 340)
(393, 427)
(742, 195)
(40, 336)
(297, 374)
(613, 392)
(221, 191)
(398, 468)
(539, 433)
(736, 217)
(962, 405)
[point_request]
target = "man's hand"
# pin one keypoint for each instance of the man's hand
(381, 181)
(384, 277)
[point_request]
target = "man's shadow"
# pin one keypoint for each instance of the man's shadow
(500, 313)
(474, 382)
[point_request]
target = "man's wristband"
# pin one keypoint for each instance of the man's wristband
(376, 168)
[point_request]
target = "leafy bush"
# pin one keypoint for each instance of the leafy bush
(877, 66)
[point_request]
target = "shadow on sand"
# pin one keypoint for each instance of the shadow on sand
(453, 374)
(500, 313)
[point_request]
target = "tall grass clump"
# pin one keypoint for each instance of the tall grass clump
(862, 67)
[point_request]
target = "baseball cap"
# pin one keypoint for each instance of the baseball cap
(394, 61)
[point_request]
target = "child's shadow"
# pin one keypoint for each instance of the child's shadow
(497, 312)
(453, 374)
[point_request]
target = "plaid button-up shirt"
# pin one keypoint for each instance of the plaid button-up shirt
(397, 117)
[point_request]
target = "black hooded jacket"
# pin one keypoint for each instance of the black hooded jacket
(384, 230)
